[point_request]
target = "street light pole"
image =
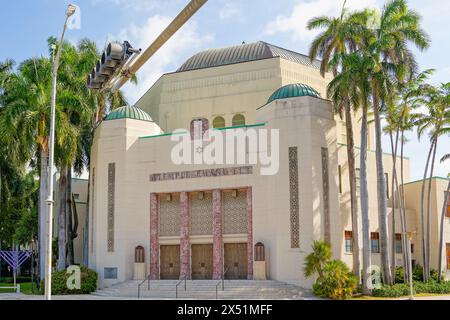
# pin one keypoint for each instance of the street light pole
(50, 201)
(411, 285)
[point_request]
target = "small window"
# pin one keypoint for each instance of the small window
(448, 206)
(238, 120)
(340, 178)
(412, 248)
(386, 176)
(348, 241)
(398, 243)
(219, 122)
(375, 242)
(198, 128)
(358, 181)
(76, 196)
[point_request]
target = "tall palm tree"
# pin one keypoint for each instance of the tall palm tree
(437, 123)
(391, 59)
(443, 215)
(339, 37)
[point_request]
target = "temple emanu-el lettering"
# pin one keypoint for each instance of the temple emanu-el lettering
(148, 216)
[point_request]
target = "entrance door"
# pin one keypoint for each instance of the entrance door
(170, 263)
(235, 258)
(202, 261)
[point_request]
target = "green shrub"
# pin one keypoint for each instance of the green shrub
(402, 289)
(417, 274)
(88, 282)
(335, 281)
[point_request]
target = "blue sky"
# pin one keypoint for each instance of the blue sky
(27, 24)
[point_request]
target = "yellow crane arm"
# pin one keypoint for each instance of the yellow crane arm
(165, 36)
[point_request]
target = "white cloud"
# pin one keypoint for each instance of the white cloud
(230, 10)
(297, 20)
(186, 42)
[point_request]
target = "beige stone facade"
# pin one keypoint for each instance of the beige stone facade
(198, 220)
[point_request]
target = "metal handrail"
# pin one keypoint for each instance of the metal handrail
(221, 282)
(178, 284)
(140, 285)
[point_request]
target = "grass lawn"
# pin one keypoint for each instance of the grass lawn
(25, 288)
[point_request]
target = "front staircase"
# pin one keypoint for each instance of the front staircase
(206, 290)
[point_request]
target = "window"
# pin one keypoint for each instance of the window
(375, 242)
(198, 128)
(348, 241)
(358, 181)
(412, 248)
(398, 243)
(219, 122)
(76, 196)
(448, 206)
(386, 176)
(340, 178)
(448, 256)
(238, 120)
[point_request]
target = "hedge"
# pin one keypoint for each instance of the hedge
(402, 289)
(59, 282)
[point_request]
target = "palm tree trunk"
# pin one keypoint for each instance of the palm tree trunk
(441, 233)
(353, 197)
(382, 195)
(43, 193)
(394, 147)
(69, 219)
(422, 211)
(428, 269)
(367, 288)
(62, 223)
(406, 256)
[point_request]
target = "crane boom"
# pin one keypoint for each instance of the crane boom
(143, 57)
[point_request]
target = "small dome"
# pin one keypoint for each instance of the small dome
(128, 112)
(292, 91)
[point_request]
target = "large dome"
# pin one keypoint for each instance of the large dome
(129, 112)
(294, 90)
(244, 53)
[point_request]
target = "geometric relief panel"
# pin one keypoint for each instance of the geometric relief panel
(169, 216)
(294, 198)
(111, 198)
(201, 214)
(235, 213)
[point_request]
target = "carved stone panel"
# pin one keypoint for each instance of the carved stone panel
(294, 197)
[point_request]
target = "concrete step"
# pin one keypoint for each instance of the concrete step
(234, 290)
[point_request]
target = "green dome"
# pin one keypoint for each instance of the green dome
(292, 91)
(128, 113)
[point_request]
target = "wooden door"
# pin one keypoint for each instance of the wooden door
(170, 263)
(235, 261)
(202, 261)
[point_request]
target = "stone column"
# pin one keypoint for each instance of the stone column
(154, 237)
(250, 233)
(185, 249)
(217, 235)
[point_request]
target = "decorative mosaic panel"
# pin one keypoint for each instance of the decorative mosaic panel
(111, 195)
(235, 213)
(201, 212)
(92, 210)
(294, 197)
(169, 216)
(326, 195)
(207, 173)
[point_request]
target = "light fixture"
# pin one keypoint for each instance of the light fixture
(71, 9)
(201, 195)
(169, 198)
(234, 193)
